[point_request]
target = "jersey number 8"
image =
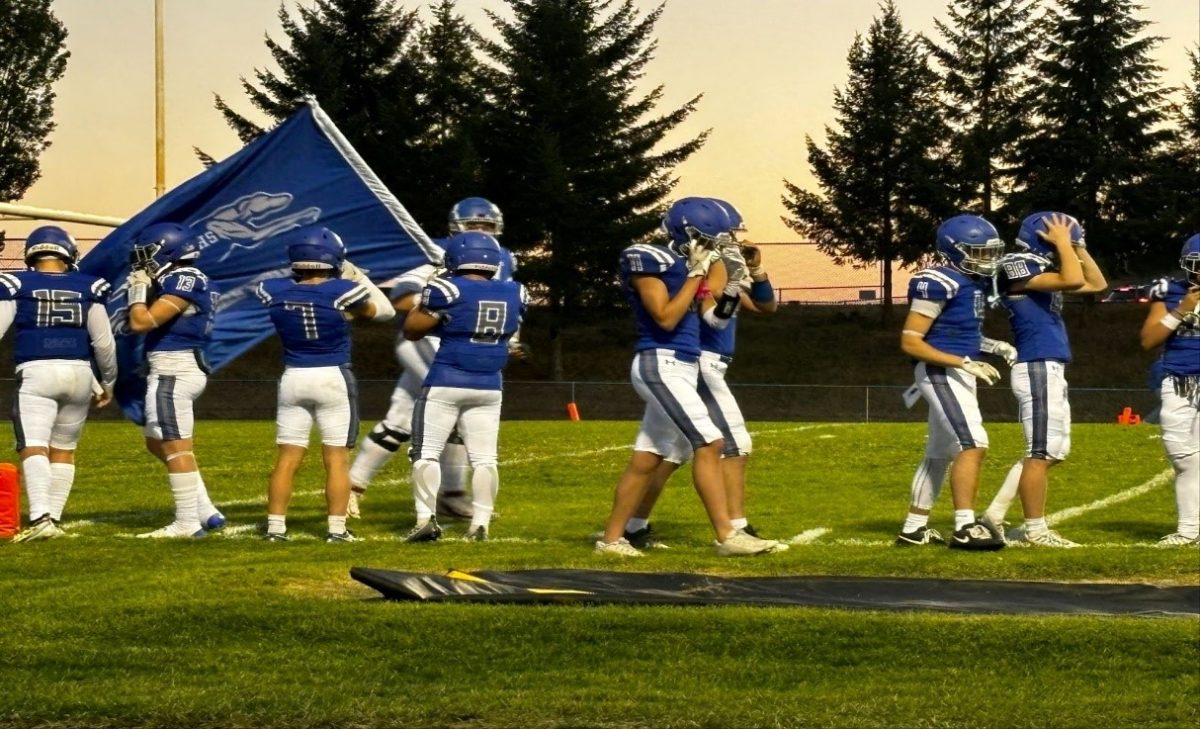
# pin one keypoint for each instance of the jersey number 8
(489, 325)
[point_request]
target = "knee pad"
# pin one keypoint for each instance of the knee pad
(387, 438)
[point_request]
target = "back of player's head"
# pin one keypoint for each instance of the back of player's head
(1028, 238)
(970, 244)
(696, 219)
(156, 247)
(315, 248)
(1189, 257)
(476, 213)
(473, 252)
(50, 240)
(737, 223)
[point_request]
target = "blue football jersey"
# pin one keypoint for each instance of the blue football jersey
(1181, 352)
(478, 317)
(52, 312)
(1039, 332)
(661, 262)
(191, 329)
(309, 321)
(719, 341)
(959, 328)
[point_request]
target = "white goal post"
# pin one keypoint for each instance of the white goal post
(65, 216)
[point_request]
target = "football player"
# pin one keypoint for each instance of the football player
(173, 303)
(62, 328)
(388, 435)
(1030, 284)
(1174, 323)
(942, 334)
(662, 282)
(475, 315)
(311, 312)
(716, 354)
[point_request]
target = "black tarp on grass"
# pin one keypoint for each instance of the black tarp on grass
(865, 593)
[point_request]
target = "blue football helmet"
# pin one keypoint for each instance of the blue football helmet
(737, 223)
(315, 248)
(51, 240)
(970, 244)
(508, 265)
(1028, 238)
(159, 246)
(474, 252)
(476, 211)
(1189, 258)
(696, 220)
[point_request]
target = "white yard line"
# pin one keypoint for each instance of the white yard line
(1121, 496)
(808, 536)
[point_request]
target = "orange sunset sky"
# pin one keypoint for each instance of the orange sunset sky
(767, 68)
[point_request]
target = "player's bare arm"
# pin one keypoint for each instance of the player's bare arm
(1160, 323)
(1094, 280)
(418, 323)
(1069, 277)
(913, 344)
(666, 311)
(145, 318)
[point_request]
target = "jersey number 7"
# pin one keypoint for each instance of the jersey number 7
(308, 315)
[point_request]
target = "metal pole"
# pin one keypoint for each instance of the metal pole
(67, 216)
(160, 120)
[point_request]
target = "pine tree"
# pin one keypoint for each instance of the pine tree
(882, 174)
(1099, 110)
(359, 59)
(32, 58)
(576, 156)
(984, 52)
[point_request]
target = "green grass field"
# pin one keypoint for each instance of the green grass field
(104, 630)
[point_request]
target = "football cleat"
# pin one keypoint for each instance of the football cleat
(749, 529)
(173, 531)
(996, 527)
(40, 530)
(620, 548)
(918, 537)
(1049, 538)
(214, 522)
(277, 537)
(352, 509)
(976, 536)
(643, 539)
(741, 544)
(1178, 540)
(476, 534)
(346, 536)
(427, 531)
(454, 505)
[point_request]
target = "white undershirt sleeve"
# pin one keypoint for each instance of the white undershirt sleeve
(927, 308)
(103, 345)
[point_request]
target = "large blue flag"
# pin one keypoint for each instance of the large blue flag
(301, 172)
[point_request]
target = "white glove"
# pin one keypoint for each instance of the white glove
(1007, 351)
(350, 272)
(735, 264)
(981, 370)
(700, 259)
(139, 283)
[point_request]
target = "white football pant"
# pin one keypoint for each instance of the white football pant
(328, 395)
(476, 416)
(1041, 391)
(676, 421)
(722, 405)
(955, 423)
(51, 403)
(174, 385)
(1180, 422)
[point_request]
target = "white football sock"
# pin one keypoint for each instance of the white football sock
(914, 522)
(276, 524)
(426, 475)
(455, 467)
(1187, 493)
(183, 488)
(371, 458)
(337, 524)
(485, 484)
(1036, 526)
(1008, 491)
(35, 470)
(62, 477)
(963, 517)
(636, 524)
(739, 523)
(927, 482)
(204, 504)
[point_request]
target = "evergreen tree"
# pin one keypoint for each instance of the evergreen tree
(882, 173)
(576, 156)
(32, 59)
(1100, 110)
(359, 59)
(984, 52)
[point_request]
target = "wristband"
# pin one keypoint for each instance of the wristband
(761, 292)
(1171, 321)
(726, 306)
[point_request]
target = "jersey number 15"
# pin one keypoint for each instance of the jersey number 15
(58, 308)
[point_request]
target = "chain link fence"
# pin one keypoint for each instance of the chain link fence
(526, 400)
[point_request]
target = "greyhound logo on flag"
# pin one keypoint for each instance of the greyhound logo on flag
(252, 219)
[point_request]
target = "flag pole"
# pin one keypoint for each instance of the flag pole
(160, 122)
